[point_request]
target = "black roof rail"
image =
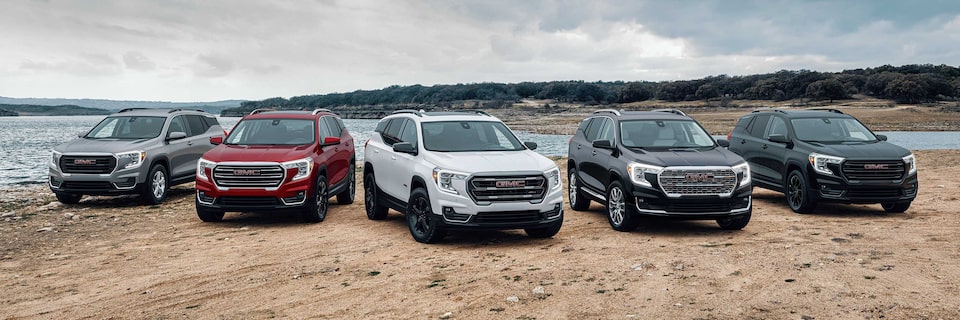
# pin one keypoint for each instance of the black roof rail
(419, 113)
(132, 109)
(319, 110)
(769, 110)
(482, 112)
(826, 109)
(609, 111)
(181, 109)
(673, 111)
(256, 111)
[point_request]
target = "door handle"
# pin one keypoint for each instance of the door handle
(764, 146)
(578, 147)
(594, 152)
(393, 157)
(742, 141)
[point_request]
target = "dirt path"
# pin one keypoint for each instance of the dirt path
(108, 257)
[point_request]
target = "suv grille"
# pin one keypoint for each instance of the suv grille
(87, 164)
(507, 188)
(697, 182)
(248, 176)
(873, 170)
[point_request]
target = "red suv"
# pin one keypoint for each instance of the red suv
(275, 160)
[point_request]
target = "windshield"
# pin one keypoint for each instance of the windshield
(272, 132)
(663, 134)
(831, 130)
(127, 127)
(455, 136)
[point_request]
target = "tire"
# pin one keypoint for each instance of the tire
(618, 214)
(893, 207)
(423, 223)
(316, 208)
(347, 196)
(208, 215)
(375, 211)
(735, 223)
(578, 201)
(157, 186)
(68, 198)
(545, 232)
(798, 193)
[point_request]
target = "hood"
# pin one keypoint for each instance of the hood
(686, 157)
(224, 152)
(84, 145)
(860, 151)
(490, 161)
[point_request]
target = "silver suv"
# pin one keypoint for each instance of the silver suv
(134, 151)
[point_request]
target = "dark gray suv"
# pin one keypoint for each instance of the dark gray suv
(134, 151)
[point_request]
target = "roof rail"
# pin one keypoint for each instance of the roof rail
(181, 109)
(131, 109)
(319, 110)
(673, 111)
(482, 112)
(826, 109)
(419, 113)
(256, 111)
(769, 110)
(608, 110)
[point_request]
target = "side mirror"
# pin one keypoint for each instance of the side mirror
(530, 145)
(723, 142)
(81, 134)
(405, 147)
(176, 135)
(216, 140)
(602, 144)
(881, 137)
(778, 138)
(328, 141)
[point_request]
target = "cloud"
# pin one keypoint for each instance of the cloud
(137, 61)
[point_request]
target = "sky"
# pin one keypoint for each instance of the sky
(210, 50)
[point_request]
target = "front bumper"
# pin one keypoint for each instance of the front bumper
(837, 189)
(652, 202)
(460, 211)
(289, 195)
(123, 181)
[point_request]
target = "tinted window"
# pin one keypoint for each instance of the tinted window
(335, 128)
(606, 131)
(593, 129)
(759, 125)
(454, 136)
(325, 129)
(831, 130)
(777, 126)
(127, 128)
(409, 133)
(211, 121)
(664, 133)
(381, 126)
(177, 125)
(196, 124)
(272, 132)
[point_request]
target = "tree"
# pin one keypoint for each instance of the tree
(826, 89)
(707, 91)
(904, 89)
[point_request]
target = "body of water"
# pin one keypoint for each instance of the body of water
(25, 142)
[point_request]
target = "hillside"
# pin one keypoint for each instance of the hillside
(213, 107)
(59, 110)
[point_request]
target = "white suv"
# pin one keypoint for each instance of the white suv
(458, 170)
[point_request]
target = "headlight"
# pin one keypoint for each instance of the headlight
(130, 160)
(303, 167)
(553, 176)
(911, 164)
(445, 178)
(202, 166)
(56, 158)
(638, 173)
(820, 162)
(742, 170)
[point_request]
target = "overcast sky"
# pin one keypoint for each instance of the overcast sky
(243, 49)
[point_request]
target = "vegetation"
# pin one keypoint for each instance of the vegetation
(62, 110)
(905, 84)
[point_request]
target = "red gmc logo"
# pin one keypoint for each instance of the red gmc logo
(84, 161)
(511, 184)
(697, 177)
(878, 166)
(246, 172)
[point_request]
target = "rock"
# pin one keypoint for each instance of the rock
(45, 229)
(513, 299)
(538, 290)
(50, 206)
(446, 315)
(8, 214)
(68, 215)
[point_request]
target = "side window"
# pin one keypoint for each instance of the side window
(211, 121)
(324, 129)
(583, 125)
(593, 129)
(606, 131)
(196, 124)
(381, 126)
(392, 133)
(335, 128)
(409, 133)
(759, 125)
(176, 125)
(777, 126)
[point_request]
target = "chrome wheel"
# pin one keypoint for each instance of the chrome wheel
(616, 206)
(573, 188)
(158, 184)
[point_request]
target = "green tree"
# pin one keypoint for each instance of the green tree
(826, 89)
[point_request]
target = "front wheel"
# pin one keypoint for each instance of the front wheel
(798, 193)
(316, 210)
(68, 198)
(347, 196)
(424, 224)
(545, 232)
(156, 187)
(617, 212)
(896, 207)
(578, 201)
(208, 215)
(375, 210)
(734, 223)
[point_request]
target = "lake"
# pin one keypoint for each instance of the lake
(25, 142)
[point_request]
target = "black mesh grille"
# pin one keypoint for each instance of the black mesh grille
(508, 216)
(874, 193)
(873, 170)
(507, 188)
(87, 164)
(86, 185)
(248, 201)
(699, 207)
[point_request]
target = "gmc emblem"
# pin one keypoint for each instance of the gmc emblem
(511, 184)
(876, 166)
(85, 161)
(697, 177)
(246, 172)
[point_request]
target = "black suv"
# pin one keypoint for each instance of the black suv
(824, 155)
(656, 163)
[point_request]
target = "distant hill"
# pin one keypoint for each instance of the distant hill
(213, 107)
(63, 110)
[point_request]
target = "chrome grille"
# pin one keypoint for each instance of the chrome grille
(87, 164)
(507, 188)
(239, 176)
(681, 182)
(873, 170)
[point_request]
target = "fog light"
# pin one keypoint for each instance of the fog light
(204, 198)
(296, 199)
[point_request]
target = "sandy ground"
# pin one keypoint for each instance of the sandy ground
(111, 258)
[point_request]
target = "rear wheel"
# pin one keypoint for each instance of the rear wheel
(68, 198)
(578, 201)
(375, 211)
(347, 196)
(208, 215)
(617, 213)
(423, 223)
(896, 207)
(316, 210)
(156, 187)
(798, 193)
(734, 223)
